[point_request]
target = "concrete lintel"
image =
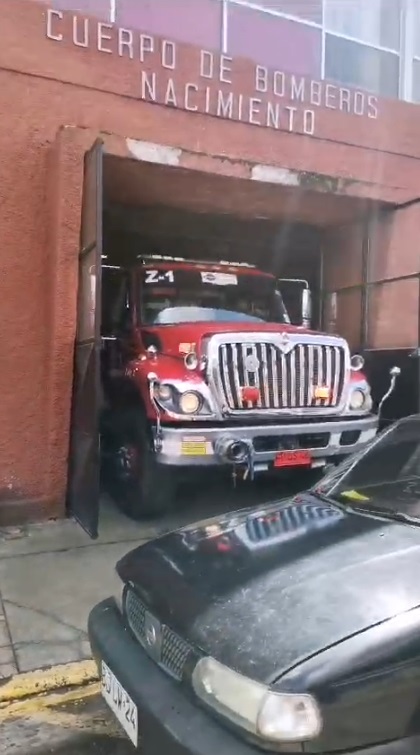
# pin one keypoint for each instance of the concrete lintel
(154, 153)
(302, 179)
(271, 174)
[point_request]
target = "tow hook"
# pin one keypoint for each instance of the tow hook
(157, 437)
(239, 453)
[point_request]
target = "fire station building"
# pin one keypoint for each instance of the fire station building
(283, 132)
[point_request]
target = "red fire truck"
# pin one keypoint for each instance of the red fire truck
(203, 368)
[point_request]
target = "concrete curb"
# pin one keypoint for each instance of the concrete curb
(48, 680)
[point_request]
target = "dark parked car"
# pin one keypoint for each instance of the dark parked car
(291, 628)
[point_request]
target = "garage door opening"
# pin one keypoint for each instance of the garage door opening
(139, 214)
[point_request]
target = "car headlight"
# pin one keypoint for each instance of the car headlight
(272, 716)
(357, 399)
(173, 399)
(190, 402)
(360, 400)
(163, 391)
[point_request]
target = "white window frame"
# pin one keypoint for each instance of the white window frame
(323, 42)
(400, 54)
(351, 38)
(372, 47)
(255, 5)
(381, 48)
(410, 55)
(405, 53)
(224, 29)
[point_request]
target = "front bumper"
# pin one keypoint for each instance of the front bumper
(189, 446)
(169, 721)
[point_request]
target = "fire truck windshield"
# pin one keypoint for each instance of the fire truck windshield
(173, 296)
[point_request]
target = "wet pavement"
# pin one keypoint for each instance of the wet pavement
(78, 726)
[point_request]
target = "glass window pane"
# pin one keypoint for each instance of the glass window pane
(416, 81)
(198, 22)
(374, 21)
(98, 8)
(360, 66)
(416, 24)
(274, 42)
(310, 10)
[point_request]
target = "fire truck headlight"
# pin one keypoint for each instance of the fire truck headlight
(360, 400)
(163, 391)
(176, 399)
(190, 402)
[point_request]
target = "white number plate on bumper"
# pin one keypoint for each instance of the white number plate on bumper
(120, 703)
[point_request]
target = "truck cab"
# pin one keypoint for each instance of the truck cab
(203, 368)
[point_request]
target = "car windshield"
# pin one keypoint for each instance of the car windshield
(385, 477)
(172, 296)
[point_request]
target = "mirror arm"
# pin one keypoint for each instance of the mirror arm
(294, 280)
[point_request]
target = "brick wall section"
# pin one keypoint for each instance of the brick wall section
(46, 85)
(343, 268)
(394, 315)
(393, 307)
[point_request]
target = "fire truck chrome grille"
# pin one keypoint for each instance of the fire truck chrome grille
(281, 380)
(173, 650)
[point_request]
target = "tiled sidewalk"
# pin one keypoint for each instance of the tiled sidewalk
(8, 665)
(50, 576)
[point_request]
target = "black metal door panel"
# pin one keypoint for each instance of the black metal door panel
(84, 462)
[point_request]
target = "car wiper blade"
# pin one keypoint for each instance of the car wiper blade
(352, 507)
(394, 516)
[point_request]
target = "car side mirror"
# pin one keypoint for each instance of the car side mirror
(297, 297)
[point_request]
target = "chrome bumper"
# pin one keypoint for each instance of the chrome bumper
(185, 447)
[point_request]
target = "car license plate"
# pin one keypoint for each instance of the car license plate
(120, 703)
(293, 459)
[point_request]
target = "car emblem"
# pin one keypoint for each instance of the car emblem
(285, 344)
(252, 363)
(151, 635)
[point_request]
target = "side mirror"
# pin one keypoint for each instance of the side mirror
(297, 299)
(394, 374)
(306, 307)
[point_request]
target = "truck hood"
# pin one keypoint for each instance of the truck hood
(262, 591)
(172, 336)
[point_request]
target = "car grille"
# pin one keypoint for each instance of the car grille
(284, 381)
(173, 650)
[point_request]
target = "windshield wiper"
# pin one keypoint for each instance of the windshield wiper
(395, 516)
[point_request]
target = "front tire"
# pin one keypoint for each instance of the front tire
(141, 487)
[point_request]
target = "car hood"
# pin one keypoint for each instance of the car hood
(263, 590)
